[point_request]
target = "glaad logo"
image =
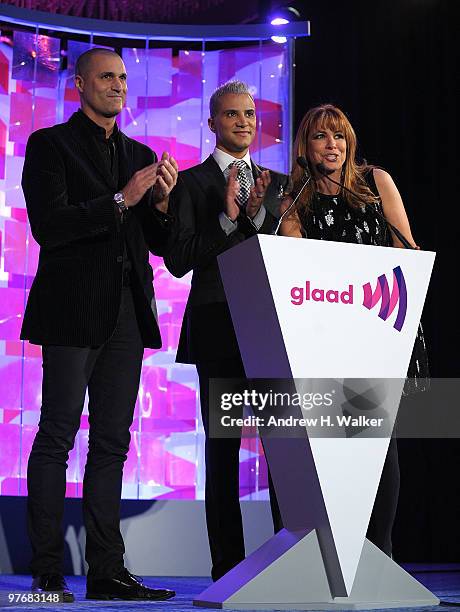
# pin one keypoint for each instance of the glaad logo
(299, 295)
(388, 302)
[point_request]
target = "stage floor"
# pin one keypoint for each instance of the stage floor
(442, 580)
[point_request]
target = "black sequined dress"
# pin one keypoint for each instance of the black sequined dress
(332, 218)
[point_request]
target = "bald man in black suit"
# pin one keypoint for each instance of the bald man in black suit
(97, 203)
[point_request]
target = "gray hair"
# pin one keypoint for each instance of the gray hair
(231, 87)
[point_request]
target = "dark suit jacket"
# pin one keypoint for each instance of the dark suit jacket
(207, 332)
(75, 296)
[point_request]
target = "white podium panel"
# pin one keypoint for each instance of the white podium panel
(316, 292)
(308, 309)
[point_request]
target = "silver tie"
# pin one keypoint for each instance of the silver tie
(243, 180)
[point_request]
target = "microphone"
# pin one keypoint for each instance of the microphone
(307, 178)
(321, 168)
(303, 163)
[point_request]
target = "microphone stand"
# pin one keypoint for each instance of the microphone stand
(292, 204)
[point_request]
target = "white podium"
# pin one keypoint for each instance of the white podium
(307, 309)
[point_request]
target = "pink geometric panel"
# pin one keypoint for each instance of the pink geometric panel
(11, 486)
(73, 489)
(179, 471)
(29, 113)
(131, 467)
(153, 464)
(4, 73)
(11, 371)
(32, 386)
(32, 255)
(14, 198)
(27, 437)
(15, 246)
(10, 435)
(167, 108)
(77, 458)
(2, 148)
(36, 59)
(69, 109)
(11, 310)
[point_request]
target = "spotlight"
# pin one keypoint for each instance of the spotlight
(279, 21)
(284, 14)
(281, 16)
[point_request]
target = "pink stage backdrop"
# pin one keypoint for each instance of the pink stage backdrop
(166, 109)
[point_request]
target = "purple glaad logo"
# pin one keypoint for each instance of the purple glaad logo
(388, 302)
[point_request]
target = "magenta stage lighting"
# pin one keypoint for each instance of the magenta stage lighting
(167, 110)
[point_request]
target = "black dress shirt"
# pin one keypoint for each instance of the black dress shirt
(109, 149)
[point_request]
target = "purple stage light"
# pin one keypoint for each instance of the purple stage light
(279, 21)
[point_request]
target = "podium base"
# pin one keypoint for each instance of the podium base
(287, 573)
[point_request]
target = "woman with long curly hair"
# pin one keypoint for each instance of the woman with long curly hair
(326, 211)
(326, 139)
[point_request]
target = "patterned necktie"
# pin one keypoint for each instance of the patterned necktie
(245, 184)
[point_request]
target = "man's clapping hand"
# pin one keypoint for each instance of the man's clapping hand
(162, 176)
(167, 173)
(232, 210)
(257, 194)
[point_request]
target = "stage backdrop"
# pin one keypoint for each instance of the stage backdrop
(167, 108)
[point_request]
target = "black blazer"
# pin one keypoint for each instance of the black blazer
(207, 332)
(75, 296)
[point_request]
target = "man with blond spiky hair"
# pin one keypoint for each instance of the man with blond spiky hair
(217, 205)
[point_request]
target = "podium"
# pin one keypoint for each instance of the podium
(311, 311)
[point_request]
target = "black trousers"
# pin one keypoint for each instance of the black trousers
(111, 374)
(386, 502)
(223, 512)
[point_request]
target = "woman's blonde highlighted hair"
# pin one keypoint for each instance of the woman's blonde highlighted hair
(328, 116)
